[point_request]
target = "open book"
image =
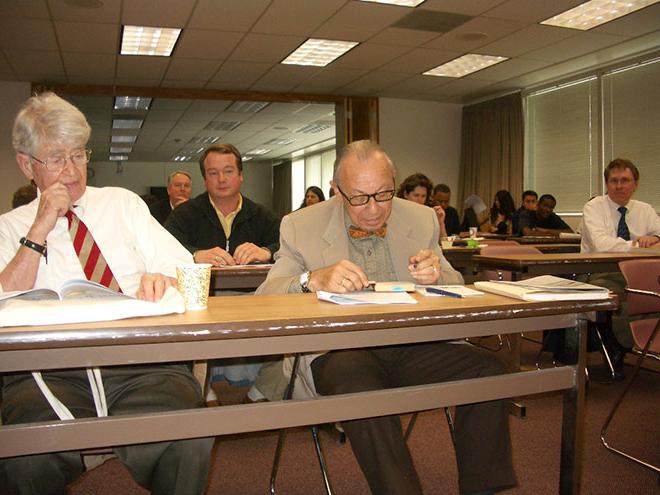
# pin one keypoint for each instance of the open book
(78, 301)
(545, 288)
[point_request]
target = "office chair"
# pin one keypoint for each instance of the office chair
(643, 279)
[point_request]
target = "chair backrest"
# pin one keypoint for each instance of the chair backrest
(643, 275)
(497, 242)
(498, 249)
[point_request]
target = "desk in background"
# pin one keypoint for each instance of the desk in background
(238, 277)
(248, 326)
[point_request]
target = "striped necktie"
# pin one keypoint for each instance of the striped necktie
(622, 229)
(91, 259)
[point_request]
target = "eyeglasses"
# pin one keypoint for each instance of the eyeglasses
(622, 182)
(56, 163)
(363, 199)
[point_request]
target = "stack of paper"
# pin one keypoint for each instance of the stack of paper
(366, 297)
(545, 288)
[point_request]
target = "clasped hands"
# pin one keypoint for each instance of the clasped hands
(244, 254)
(346, 276)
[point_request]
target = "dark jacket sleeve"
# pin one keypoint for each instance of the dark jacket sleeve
(184, 223)
(452, 225)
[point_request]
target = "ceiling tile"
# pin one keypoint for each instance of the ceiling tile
(183, 84)
(240, 73)
(507, 69)
(142, 67)
(87, 37)
(525, 10)
(420, 60)
(460, 39)
(108, 12)
(417, 84)
(530, 38)
(580, 44)
(295, 17)
(162, 13)
(27, 34)
(206, 44)
(265, 47)
(96, 64)
(36, 66)
(239, 15)
(330, 81)
(358, 21)
(374, 82)
(284, 77)
(369, 56)
(35, 9)
(191, 69)
(402, 37)
(473, 7)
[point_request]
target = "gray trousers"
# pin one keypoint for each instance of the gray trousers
(483, 446)
(178, 467)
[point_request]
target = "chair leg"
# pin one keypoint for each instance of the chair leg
(282, 433)
(322, 464)
(608, 360)
(618, 402)
(410, 427)
(413, 420)
(450, 422)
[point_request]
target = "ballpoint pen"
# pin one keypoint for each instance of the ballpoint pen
(435, 290)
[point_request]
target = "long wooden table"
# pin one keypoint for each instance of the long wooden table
(258, 325)
(529, 265)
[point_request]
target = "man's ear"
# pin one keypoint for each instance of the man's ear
(333, 185)
(25, 164)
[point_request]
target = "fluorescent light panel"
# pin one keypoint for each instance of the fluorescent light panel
(467, 64)
(259, 151)
(132, 102)
(247, 106)
(596, 12)
(123, 139)
(120, 149)
(154, 41)
(118, 158)
(318, 52)
(127, 123)
(400, 3)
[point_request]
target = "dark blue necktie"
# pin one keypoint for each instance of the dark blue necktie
(622, 229)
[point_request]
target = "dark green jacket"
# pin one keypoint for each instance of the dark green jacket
(195, 224)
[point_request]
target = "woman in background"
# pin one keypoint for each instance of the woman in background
(418, 188)
(313, 195)
(501, 213)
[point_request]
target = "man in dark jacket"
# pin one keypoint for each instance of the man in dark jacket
(179, 188)
(221, 226)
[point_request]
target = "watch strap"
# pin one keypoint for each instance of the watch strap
(39, 248)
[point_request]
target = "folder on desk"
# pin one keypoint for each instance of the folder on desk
(545, 288)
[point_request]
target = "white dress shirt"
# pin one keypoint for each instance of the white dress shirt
(131, 240)
(600, 219)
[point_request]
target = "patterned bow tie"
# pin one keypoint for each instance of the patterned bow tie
(357, 233)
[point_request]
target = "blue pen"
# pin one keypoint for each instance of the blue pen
(435, 290)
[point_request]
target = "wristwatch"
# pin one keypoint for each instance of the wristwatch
(304, 281)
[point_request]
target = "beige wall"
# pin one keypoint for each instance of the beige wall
(422, 136)
(12, 95)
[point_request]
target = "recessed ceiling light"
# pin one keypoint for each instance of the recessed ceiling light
(258, 151)
(126, 123)
(279, 142)
(596, 12)
(204, 140)
(120, 149)
(401, 3)
(118, 158)
(467, 64)
(318, 53)
(123, 139)
(216, 125)
(143, 40)
(182, 158)
(247, 106)
(132, 102)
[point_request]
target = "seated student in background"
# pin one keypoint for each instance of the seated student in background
(418, 187)
(368, 234)
(137, 257)
(441, 197)
(529, 201)
(476, 214)
(221, 226)
(615, 222)
(179, 189)
(543, 221)
(313, 195)
(24, 195)
(501, 213)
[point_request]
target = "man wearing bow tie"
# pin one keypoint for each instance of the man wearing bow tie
(366, 234)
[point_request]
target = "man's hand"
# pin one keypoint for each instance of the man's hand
(341, 277)
(177, 200)
(440, 213)
(216, 256)
(153, 286)
(247, 253)
(54, 202)
(647, 241)
(425, 267)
